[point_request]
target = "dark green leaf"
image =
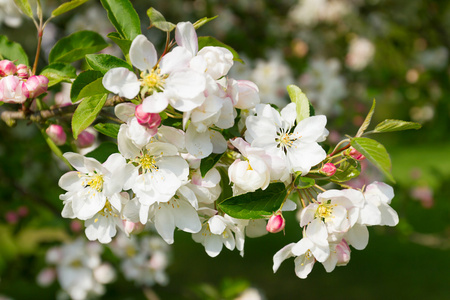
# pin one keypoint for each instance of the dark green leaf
(123, 44)
(76, 46)
(81, 81)
(86, 113)
(374, 152)
(102, 152)
(347, 170)
(303, 182)
(108, 129)
(224, 184)
(12, 51)
(395, 125)
(366, 122)
(256, 205)
(204, 41)
(209, 162)
(25, 7)
(67, 6)
(301, 101)
(58, 72)
(105, 62)
(93, 88)
(157, 20)
(123, 17)
(203, 21)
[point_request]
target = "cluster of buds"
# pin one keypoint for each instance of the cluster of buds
(16, 84)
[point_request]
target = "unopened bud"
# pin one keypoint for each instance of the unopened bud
(85, 139)
(56, 134)
(328, 169)
(7, 67)
(248, 94)
(13, 90)
(132, 228)
(46, 277)
(149, 120)
(11, 217)
(276, 223)
(37, 85)
(23, 71)
(22, 211)
(353, 153)
(343, 253)
(76, 226)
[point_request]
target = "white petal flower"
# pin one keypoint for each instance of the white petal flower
(122, 81)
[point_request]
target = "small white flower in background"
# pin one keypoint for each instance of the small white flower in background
(360, 53)
(276, 134)
(9, 14)
(90, 187)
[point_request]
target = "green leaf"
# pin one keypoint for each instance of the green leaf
(86, 113)
(12, 51)
(204, 41)
(255, 205)
(366, 122)
(374, 152)
(76, 46)
(123, 17)
(203, 21)
(67, 6)
(25, 7)
(108, 129)
(58, 72)
(209, 162)
(395, 125)
(106, 62)
(123, 44)
(301, 101)
(94, 88)
(157, 20)
(347, 170)
(102, 152)
(224, 184)
(83, 80)
(303, 182)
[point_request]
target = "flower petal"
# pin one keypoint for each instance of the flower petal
(122, 81)
(142, 53)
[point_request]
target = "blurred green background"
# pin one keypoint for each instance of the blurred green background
(402, 63)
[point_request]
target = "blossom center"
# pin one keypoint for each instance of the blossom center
(147, 163)
(286, 140)
(324, 211)
(153, 81)
(107, 211)
(94, 181)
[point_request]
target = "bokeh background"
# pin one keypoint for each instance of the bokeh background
(342, 54)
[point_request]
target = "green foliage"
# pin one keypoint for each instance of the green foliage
(108, 129)
(124, 44)
(301, 101)
(92, 89)
(67, 6)
(375, 153)
(256, 205)
(203, 21)
(347, 170)
(12, 51)
(303, 182)
(123, 17)
(157, 20)
(87, 112)
(83, 79)
(367, 120)
(204, 41)
(76, 46)
(25, 7)
(102, 152)
(395, 125)
(105, 62)
(59, 72)
(209, 162)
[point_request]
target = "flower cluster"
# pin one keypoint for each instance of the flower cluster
(17, 85)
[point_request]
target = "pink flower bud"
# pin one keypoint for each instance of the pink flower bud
(13, 90)
(23, 71)
(76, 226)
(37, 85)
(343, 253)
(132, 228)
(149, 120)
(248, 95)
(328, 169)
(11, 217)
(85, 139)
(276, 223)
(353, 153)
(7, 68)
(46, 277)
(22, 211)
(57, 134)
